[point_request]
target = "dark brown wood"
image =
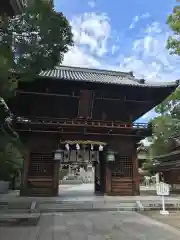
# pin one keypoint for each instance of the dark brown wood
(123, 100)
(56, 178)
(80, 133)
(83, 122)
(122, 186)
(136, 177)
(122, 176)
(40, 174)
(85, 104)
(108, 180)
(24, 177)
(60, 111)
(124, 171)
(6, 7)
(47, 94)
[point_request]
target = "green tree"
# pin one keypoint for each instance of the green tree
(170, 105)
(173, 20)
(166, 124)
(31, 42)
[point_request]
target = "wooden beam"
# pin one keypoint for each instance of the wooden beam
(82, 133)
(47, 94)
(123, 100)
(84, 123)
(83, 94)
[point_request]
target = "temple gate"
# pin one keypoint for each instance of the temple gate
(70, 104)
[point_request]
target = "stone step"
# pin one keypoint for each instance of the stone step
(44, 206)
(16, 204)
(21, 219)
(157, 205)
(86, 206)
(17, 207)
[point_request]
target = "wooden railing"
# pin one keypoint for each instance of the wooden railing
(81, 123)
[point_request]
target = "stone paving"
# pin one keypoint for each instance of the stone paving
(172, 219)
(93, 226)
(82, 192)
(81, 198)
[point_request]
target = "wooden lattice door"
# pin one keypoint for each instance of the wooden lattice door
(122, 176)
(41, 165)
(40, 173)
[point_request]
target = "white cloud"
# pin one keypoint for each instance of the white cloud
(154, 28)
(78, 58)
(92, 4)
(115, 48)
(147, 56)
(138, 18)
(91, 34)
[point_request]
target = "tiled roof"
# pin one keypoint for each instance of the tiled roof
(167, 165)
(167, 155)
(101, 76)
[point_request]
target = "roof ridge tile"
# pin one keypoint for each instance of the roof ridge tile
(101, 76)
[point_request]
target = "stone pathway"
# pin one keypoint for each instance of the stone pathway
(93, 226)
(173, 219)
(81, 198)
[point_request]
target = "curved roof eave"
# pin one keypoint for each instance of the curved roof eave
(102, 77)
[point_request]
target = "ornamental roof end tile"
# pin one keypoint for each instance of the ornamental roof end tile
(101, 76)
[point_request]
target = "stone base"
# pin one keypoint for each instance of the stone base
(4, 187)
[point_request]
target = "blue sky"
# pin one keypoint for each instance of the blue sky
(129, 36)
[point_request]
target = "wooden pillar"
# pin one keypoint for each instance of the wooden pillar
(24, 177)
(108, 180)
(97, 178)
(136, 176)
(102, 165)
(56, 178)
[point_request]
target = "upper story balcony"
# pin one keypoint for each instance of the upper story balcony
(83, 126)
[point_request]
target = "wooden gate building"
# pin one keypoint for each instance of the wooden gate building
(79, 104)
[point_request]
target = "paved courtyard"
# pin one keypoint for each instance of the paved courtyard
(172, 219)
(92, 226)
(77, 190)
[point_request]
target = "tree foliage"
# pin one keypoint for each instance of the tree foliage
(170, 104)
(173, 20)
(167, 124)
(11, 161)
(30, 42)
